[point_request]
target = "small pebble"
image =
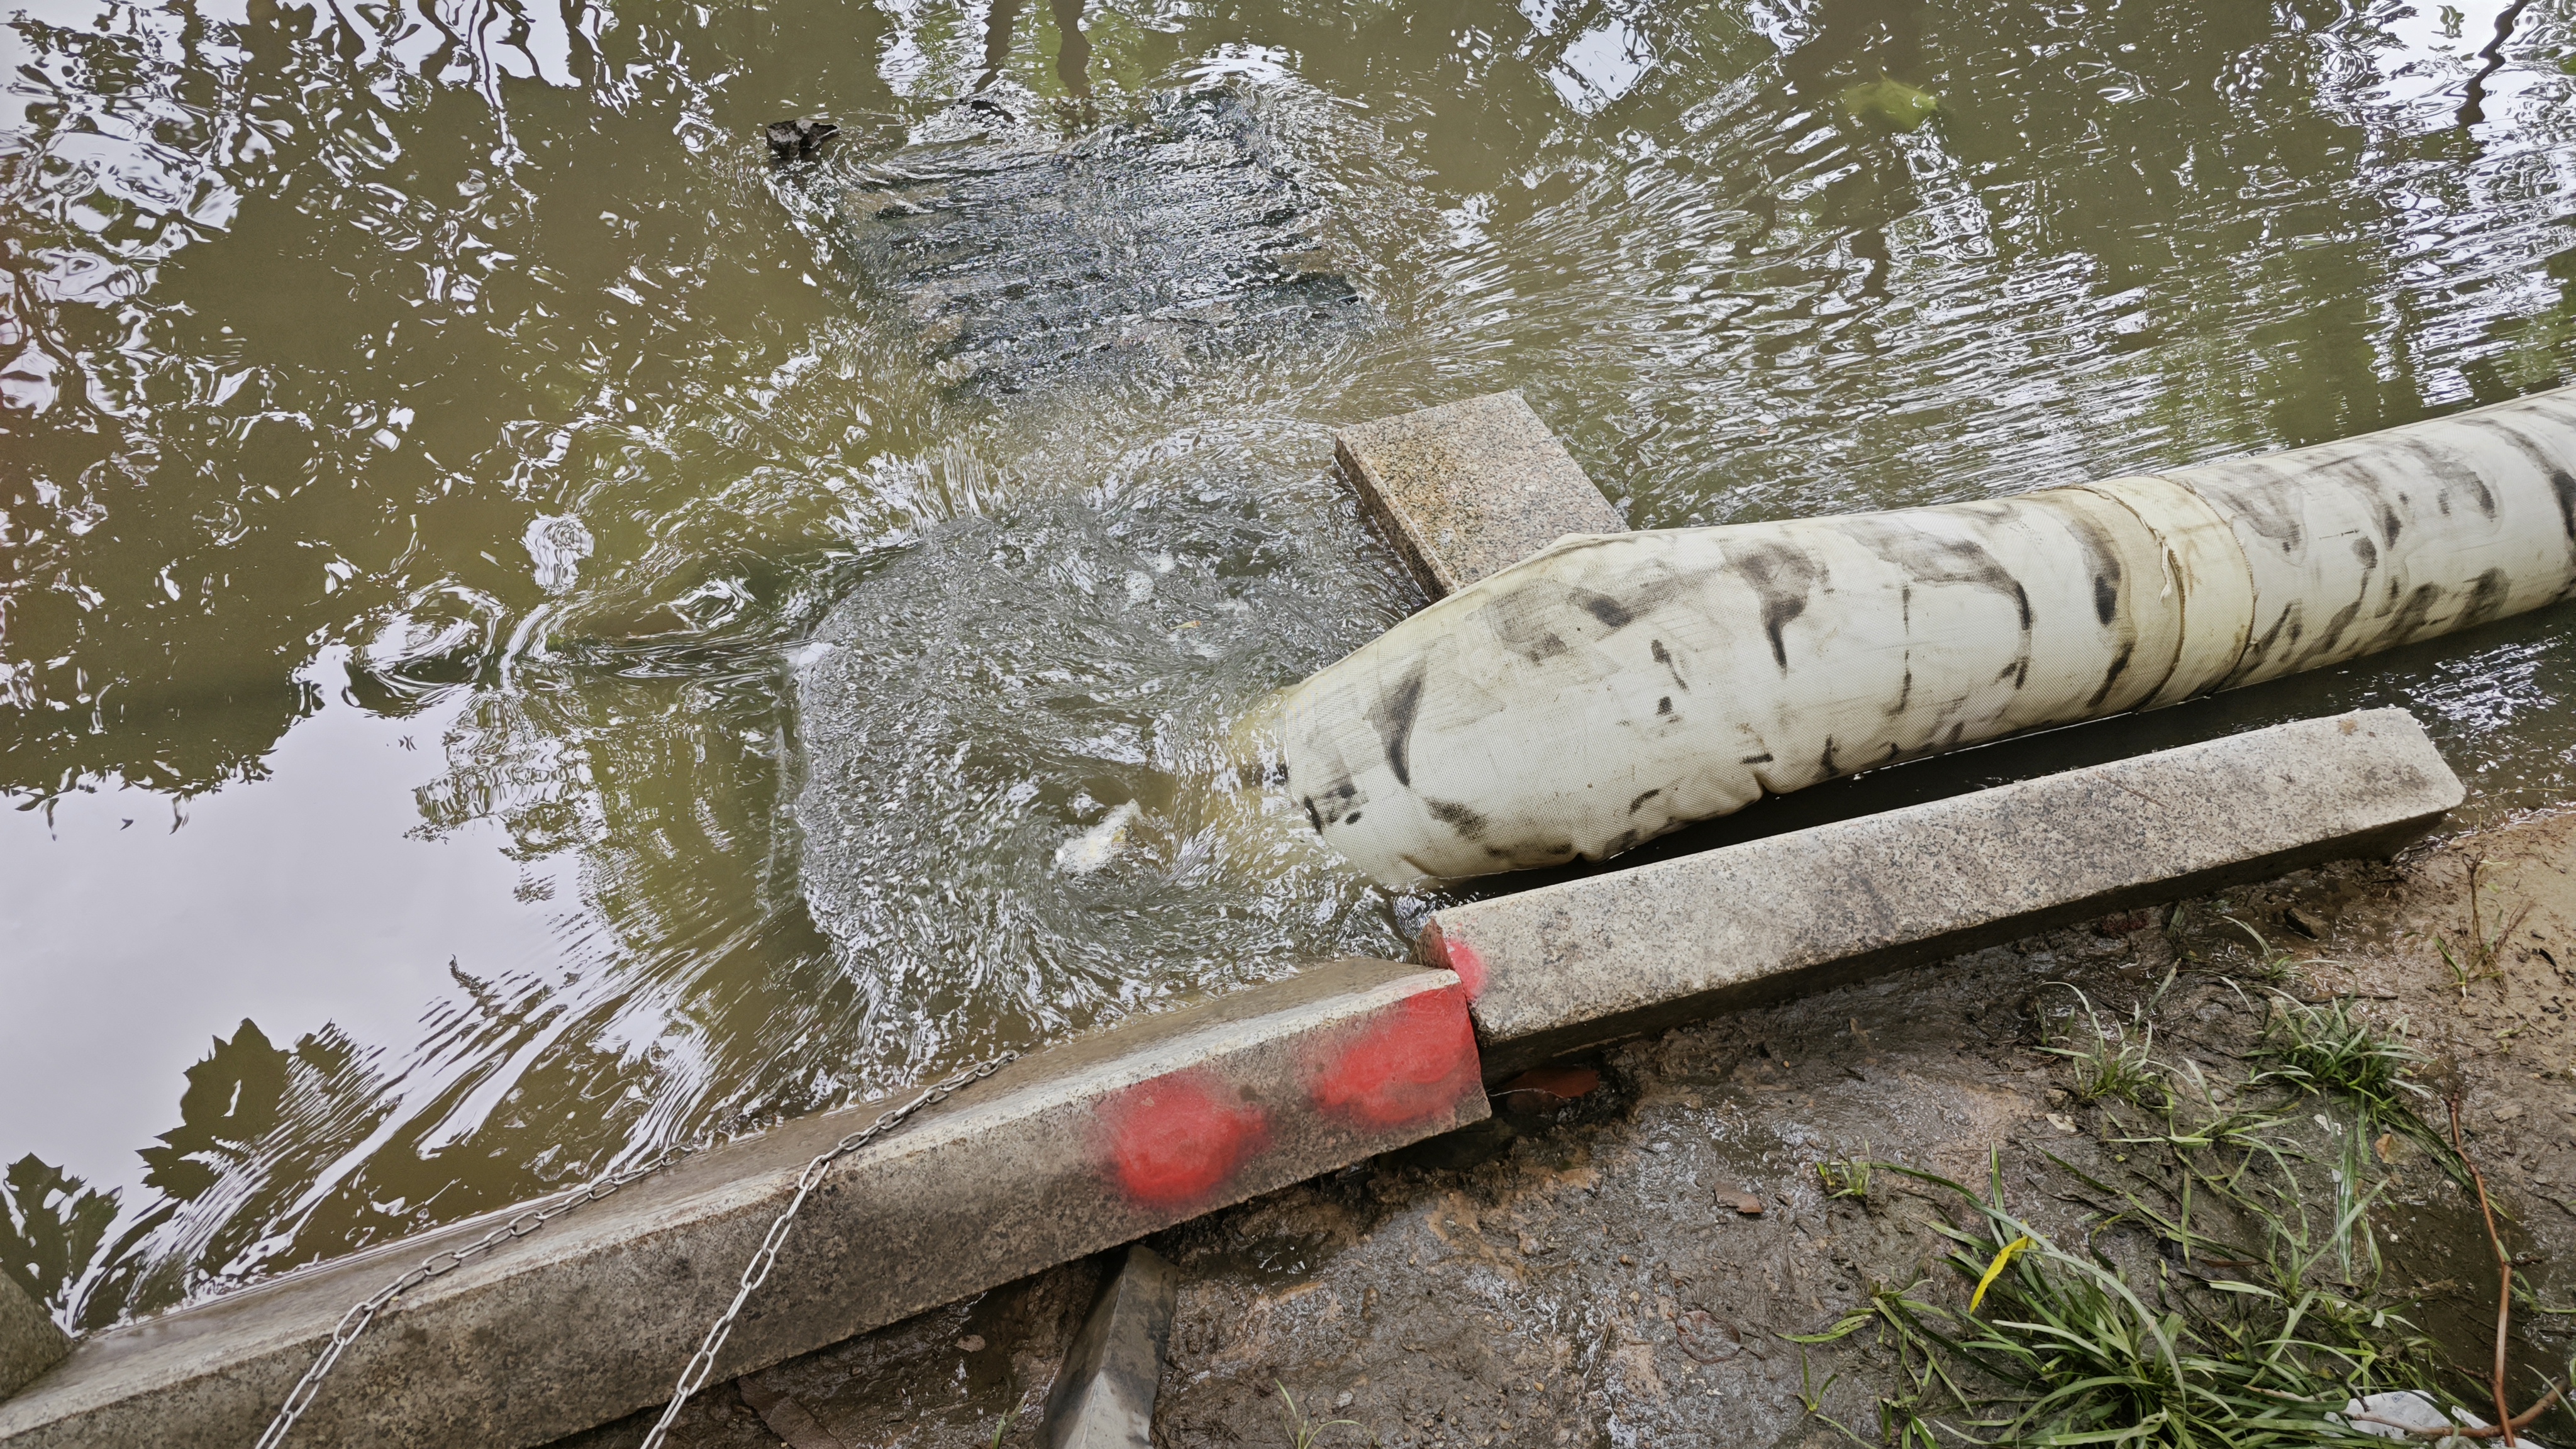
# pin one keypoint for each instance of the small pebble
(971, 1343)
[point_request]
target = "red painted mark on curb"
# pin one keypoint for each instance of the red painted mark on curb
(1175, 1139)
(1417, 1060)
(1458, 956)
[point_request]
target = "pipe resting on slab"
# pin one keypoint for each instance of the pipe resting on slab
(1611, 688)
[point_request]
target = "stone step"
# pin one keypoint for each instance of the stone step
(1470, 488)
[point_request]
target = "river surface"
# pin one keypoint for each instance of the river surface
(431, 435)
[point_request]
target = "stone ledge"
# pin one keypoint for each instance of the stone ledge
(1071, 1150)
(1618, 955)
(1470, 488)
(1104, 1394)
(29, 1341)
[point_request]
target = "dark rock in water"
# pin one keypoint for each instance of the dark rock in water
(798, 139)
(1018, 255)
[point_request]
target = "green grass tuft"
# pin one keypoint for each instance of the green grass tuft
(2111, 1063)
(1845, 1176)
(2220, 1297)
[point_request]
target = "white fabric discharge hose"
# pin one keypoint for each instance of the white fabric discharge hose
(1610, 688)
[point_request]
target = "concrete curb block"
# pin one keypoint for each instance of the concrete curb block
(1618, 955)
(1470, 488)
(1104, 1395)
(1072, 1150)
(29, 1341)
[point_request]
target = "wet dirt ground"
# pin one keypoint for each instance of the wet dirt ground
(1593, 1270)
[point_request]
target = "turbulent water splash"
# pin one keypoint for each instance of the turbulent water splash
(1021, 784)
(1019, 780)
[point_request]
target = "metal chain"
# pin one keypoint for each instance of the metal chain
(445, 1260)
(703, 1362)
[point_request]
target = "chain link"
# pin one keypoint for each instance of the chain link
(444, 1261)
(703, 1362)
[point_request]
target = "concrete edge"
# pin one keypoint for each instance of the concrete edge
(1584, 962)
(1466, 488)
(30, 1343)
(1103, 1396)
(1392, 523)
(1506, 1059)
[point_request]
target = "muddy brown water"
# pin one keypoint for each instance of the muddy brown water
(428, 435)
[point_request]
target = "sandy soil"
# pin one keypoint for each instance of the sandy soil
(1584, 1271)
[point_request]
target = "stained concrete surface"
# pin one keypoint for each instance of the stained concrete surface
(1470, 488)
(1580, 1272)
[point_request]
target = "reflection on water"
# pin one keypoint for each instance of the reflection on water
(433, 443)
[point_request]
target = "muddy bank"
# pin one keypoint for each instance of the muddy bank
(1593, 1271)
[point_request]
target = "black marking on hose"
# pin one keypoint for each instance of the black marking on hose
(2452, 470)
(1784, 577)
(1664, 705)
(1639, 803)
(2101, 551)
(1831, 770)
(1612, 614)
(2487, 594)
(1755, 760)
(1314, 817)
(2332, 634)
(1664, 657)
(2257, 650)
(1457, 817)
(1927, 559)
(2561, 483)
(2411, 618)
(1393, 715)
(1905, 693)
(2258, 502)
(2119, 664)
(2390, 524)
(1520, 618)
(2366, 551)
